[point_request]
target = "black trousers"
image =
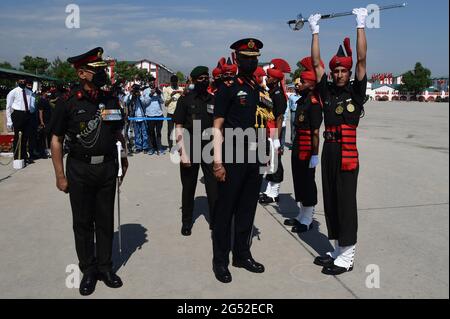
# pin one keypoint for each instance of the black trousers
(189, 177)
(339, 196)
(22, 123)
(154, 134)
(92, 190)
(170, 127)
(238, 198)
(278, 176)
(304, 179)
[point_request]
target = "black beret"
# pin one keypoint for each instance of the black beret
(198, 71)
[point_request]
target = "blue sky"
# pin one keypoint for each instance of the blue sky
(183, 34)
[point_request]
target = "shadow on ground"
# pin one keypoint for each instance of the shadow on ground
(134, 236)
(287, 208)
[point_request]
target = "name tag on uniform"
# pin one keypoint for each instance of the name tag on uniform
(210, 108)
(111, 115)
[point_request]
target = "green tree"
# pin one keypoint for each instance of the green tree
(181, 77)
(125, 71)
(417, 80)
(35, 65)
(297, 72)
(63, 70)
(6, 65)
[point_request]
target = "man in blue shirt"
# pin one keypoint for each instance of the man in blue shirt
(292, 105)
(153, 111)
(137, 104)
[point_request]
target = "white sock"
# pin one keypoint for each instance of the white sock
(346, 256)
(334, 254)
(268, 188)
(274, 189)
(300, 212)
(307, 218)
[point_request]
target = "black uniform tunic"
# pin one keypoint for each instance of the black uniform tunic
(308, 117)
(238, 195)
(339, 186)
(279, 108)
(190, 108)
(91, 186)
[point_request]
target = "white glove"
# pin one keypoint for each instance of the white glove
(313, 23)
(276, 144)
(361, 16)
(314, 161)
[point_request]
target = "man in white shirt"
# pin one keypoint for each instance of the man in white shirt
(171, 94)
(20, 104)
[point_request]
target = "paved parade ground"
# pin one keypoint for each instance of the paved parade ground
(403, 226)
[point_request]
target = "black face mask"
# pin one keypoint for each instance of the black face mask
(100, 78)
(248, 67)
(22, 85)
(201, 87)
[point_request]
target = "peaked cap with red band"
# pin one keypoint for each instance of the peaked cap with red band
(248, 47)
(91, 59)
(309, 74)
(340, 59)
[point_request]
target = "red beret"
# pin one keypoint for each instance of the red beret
(280, 67)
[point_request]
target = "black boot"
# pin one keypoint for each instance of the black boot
(334, 270)
(110, 279)
(249, 264)
(324, 261)
(222, 273)
(87, 284)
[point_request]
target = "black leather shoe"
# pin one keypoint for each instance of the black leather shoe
(324, 261)
(249, 264)
(291, 222)
(268, 200)
(186, 230)
(110, 279)
(87, 284)
(222, 274)
(334, 270)
(300, 228)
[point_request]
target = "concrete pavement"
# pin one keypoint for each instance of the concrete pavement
(403, 226)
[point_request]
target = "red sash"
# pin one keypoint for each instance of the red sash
(304, 142)
(347, 138)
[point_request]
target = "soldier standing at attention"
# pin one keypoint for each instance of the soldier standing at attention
(239, 181)
(91, 122)
(196, 105)
(305, 151)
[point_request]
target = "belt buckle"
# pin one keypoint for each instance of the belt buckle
(97, 159)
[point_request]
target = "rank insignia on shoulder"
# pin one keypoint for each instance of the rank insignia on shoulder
(101, 106)
(351, 108)
(112, 115)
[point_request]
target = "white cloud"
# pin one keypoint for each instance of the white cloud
(112, 45)
(187, 44)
